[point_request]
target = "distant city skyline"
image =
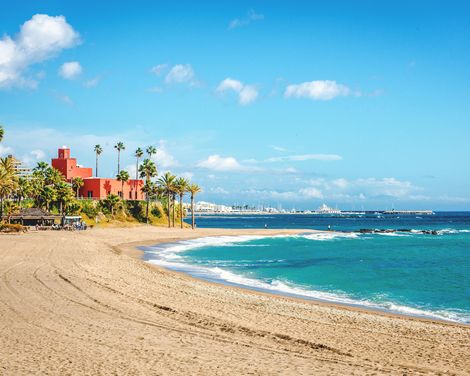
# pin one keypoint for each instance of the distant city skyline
(360, 105)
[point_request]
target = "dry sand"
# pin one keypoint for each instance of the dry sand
(78, 303)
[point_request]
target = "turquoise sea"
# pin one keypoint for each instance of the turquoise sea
(403, 272)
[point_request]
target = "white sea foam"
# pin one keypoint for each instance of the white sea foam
(330, 235)
(391, 234)
(286, 288)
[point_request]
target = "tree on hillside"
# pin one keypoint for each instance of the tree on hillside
(119, 147)
(193, 189)
(181, 187)
(77, 183)
(111, 202)
(147, 170)
(98, 150)
(123, 177)
(167, 182)
(2, 133)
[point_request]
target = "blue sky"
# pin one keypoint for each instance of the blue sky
(350, 103)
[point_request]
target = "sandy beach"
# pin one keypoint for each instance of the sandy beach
(84, 303)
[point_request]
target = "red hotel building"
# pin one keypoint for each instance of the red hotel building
(95, 188)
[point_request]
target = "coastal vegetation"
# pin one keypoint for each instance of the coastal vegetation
(46, 188)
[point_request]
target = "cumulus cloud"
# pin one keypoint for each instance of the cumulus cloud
(39, 39)
(180, 74)
(70, 70)
(163, 158)
(224, 164)
(318, 90)
(246, 93)
(251, 16)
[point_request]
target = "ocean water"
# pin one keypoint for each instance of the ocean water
(404, 272)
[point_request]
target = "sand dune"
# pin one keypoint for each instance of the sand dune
(79, 303)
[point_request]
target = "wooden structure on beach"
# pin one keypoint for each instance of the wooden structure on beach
(34, 217)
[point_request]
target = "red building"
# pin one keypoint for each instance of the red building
(95, 188)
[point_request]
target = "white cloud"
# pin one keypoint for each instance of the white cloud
(218, 190)
(317, 90)
(311, 192)
(163, 158)
(33, 157)
(278, 148)
(223, 164)
(70, 70)
(249, 18)
(159, 69)
(5, 150)
(181, 73)
(92, 82)
(40, 38)
(229, 84)
(306, 157)
(341, 183)
(38, 154)
(65, 99)
(246, 93)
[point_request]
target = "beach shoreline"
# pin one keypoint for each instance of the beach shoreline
(67, 298)
(134, 250)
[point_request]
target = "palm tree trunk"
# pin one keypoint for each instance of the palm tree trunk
(192, 211)
(181, 211)
(96, 169)
(119, 157)
(122, 189)
(169, 214)
(173, 204)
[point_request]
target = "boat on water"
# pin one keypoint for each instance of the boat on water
(326, 210)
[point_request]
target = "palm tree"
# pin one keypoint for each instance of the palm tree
(123, 176)
(181, 187)
(138, 154)
(167, 182)
(151, 150)
(2, 133)
(8, 180)
(193, 189)
(77, 183)
(47, 196)
(147, 170)
(64, 195)
(111, 202)
(119, 146)
(11, 208)
(98, 151)
(41, 167)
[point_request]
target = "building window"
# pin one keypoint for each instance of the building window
(90, 194)
(130, 195)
